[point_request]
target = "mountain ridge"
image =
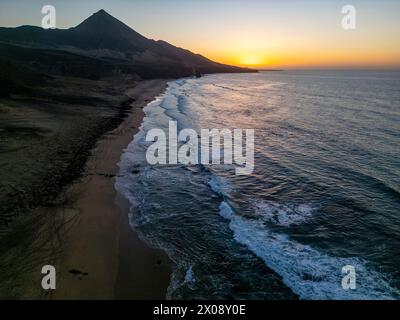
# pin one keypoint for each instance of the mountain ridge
(102, 36)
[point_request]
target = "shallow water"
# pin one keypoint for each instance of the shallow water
(325, 191)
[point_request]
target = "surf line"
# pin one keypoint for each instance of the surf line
(189, 148)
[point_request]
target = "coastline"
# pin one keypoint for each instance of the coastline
(102, 257)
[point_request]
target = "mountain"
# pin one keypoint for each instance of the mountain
(105, 38)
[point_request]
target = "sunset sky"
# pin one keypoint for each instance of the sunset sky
(270, 34)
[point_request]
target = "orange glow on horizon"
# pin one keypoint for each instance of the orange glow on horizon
(317, 58)
(258, 48)
(252, 60)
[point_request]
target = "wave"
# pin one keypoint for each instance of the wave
(189, 276)
(219, 185)
(373, 182)
(309, 273)
(284, 215)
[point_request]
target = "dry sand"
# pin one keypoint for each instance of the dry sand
(103, 258)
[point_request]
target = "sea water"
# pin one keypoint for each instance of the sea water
(324, 193)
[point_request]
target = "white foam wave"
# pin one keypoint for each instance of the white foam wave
(189, 276)
(309, 273)
(220, 185)
(225, 210)
(284, 214)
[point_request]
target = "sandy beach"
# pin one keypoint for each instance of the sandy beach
(102, 258)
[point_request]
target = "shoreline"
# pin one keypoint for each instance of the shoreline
(103, 258)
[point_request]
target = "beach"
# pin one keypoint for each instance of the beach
(65, 210)
(102, 257)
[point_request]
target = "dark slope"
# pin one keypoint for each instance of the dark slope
(17, 79)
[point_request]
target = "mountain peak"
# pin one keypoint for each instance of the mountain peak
(102, 31)
(98, 19)
(101, 12)
(102, 23)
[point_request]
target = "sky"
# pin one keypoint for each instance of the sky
(254, 33)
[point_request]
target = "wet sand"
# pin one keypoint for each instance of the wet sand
(102, 258)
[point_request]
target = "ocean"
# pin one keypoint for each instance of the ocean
(324, 193)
